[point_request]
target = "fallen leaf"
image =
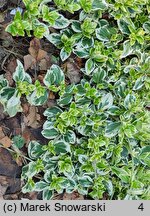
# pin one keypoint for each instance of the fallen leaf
(34, 47)
(36, 57)
(2, 191)
(41, 55)
(11, 65)
(25, 108)
(51, 95)
(8, 76)
(12, 185)
(26, 134)
(73, 196)
(29, 62)
(2, 135)
(2, 114)
(72, 71)
(43, 64)
(32, 118)
(8, 166)
(6, 141)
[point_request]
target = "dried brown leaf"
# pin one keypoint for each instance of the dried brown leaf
(32, 118)
(73, 196)
(6, 141)
(29, 62)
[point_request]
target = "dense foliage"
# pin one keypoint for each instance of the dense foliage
(99, 132)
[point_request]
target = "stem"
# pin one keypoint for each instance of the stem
(13, 151)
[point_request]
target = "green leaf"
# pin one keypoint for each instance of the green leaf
(139, 83)
(36, 100)
(106, 101)
(114, 110)
(61, 147)
(89, 66)
(129, 101)
(47, 194)
(103, 34)
(18, 141)
(61, 22)
(7, 92)
(81, 52)
(11, 28)
(54, 39)
(19, 74)
(52, 111)
(13, 106)
(146, 27)
(123, 26)
(127, 49)
(86, 5)
(65, 100)
(112, 129)
(35, 150)
(85, 181)
(54, 76)
(86, 42)
(41, 185)
(145, 155)
(49, 17)
(70, 137)
(29, 186)
(122, 174)
(130, 131)
(50, 133)
(99, 5)
(64, 55)
(76, 26)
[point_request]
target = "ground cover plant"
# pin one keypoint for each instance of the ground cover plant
(98, 132)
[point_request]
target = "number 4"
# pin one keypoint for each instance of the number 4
(141, 207)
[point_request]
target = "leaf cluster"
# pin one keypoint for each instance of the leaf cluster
(99, 130)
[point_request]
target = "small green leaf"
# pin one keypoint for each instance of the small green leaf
(65, 100)
(13, 106)
(139, 83)
(47, 194)
(99, 5)
(81, 52)
(122, 174)
(61, 147)
(89, 66)
(54, 76)
(76, 26)
(18, 141)
(129, 101)
(106, 101)
(146, 27)
(103, 34)
(70, 137)
(112, 129)
(123, 26)
(85, 181)
(19, 74)
(41, 185)
(52, 111)
(145, 155)
(55, 39)
(61, 22)
(50, 133)
(127, 49)
(35, 150)
(64, 55)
